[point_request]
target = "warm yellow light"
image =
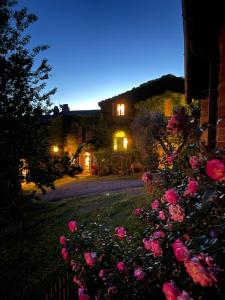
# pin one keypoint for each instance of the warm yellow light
(55, 149)
(125, 142)
(115, 146)
(120, 109)
(120, 141)
(168, 108)
(119, 134)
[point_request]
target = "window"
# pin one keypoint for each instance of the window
(120, 110)
(120, 141)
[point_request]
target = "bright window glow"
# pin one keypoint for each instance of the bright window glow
(120, 141)
(120, 110)
(125, 142)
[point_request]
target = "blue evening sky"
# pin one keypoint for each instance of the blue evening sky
(100, 48)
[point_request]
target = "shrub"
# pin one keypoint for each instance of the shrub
(179, 254)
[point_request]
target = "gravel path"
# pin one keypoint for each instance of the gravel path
(85, 188)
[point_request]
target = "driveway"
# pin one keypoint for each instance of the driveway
(93, 187)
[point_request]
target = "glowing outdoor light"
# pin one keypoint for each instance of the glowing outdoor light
(55, 149)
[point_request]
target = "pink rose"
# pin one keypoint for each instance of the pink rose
(121, 266)
(90, 258)
(158, 234)
(82, 294)
(139, 273)
(180, 251)
(200, 273)
(176, 213)
(156, 248)
(153, 246)
(195, 162)
(102, 274)
(72, 225)
(147, 244)
(171, 196)
(62, 240)
(65, 254)
(170, 291)
(191, 187)
(155, 204)
(78, 281)
(138, 212)
(162, 215)
(121, 232)
(215, 169)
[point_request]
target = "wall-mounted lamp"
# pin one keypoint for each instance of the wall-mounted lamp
(55, 149)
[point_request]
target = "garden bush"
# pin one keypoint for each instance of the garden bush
(178, 251)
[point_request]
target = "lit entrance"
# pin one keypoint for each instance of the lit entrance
(87, 162)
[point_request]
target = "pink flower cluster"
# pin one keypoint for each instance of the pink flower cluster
(155, 204)
(181, 251)
(195, 162)
(121, 232)
(200, 268)
(153, 244)
(90, 258)
(177, 122)
(200, 272)
(121, 266)
(172, 292)
(138, 212)
(191, 188)
(72, 225)
(139, 273)
(171, 196)
(215, 169)
(162, 215)
(176, 213)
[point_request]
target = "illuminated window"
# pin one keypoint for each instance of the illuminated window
(120, 141)
(120, 110)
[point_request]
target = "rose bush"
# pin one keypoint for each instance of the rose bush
(179, 254)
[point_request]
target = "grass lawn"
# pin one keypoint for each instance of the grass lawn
(30, 253)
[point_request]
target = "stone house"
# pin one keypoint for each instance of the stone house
(73, 130)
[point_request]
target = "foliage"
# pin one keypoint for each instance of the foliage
(178, 250)
(158, 103)
(150, 120)
(30, 264)
(151, 125)
(23, 98)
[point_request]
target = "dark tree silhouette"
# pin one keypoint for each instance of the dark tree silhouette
(22, 101)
